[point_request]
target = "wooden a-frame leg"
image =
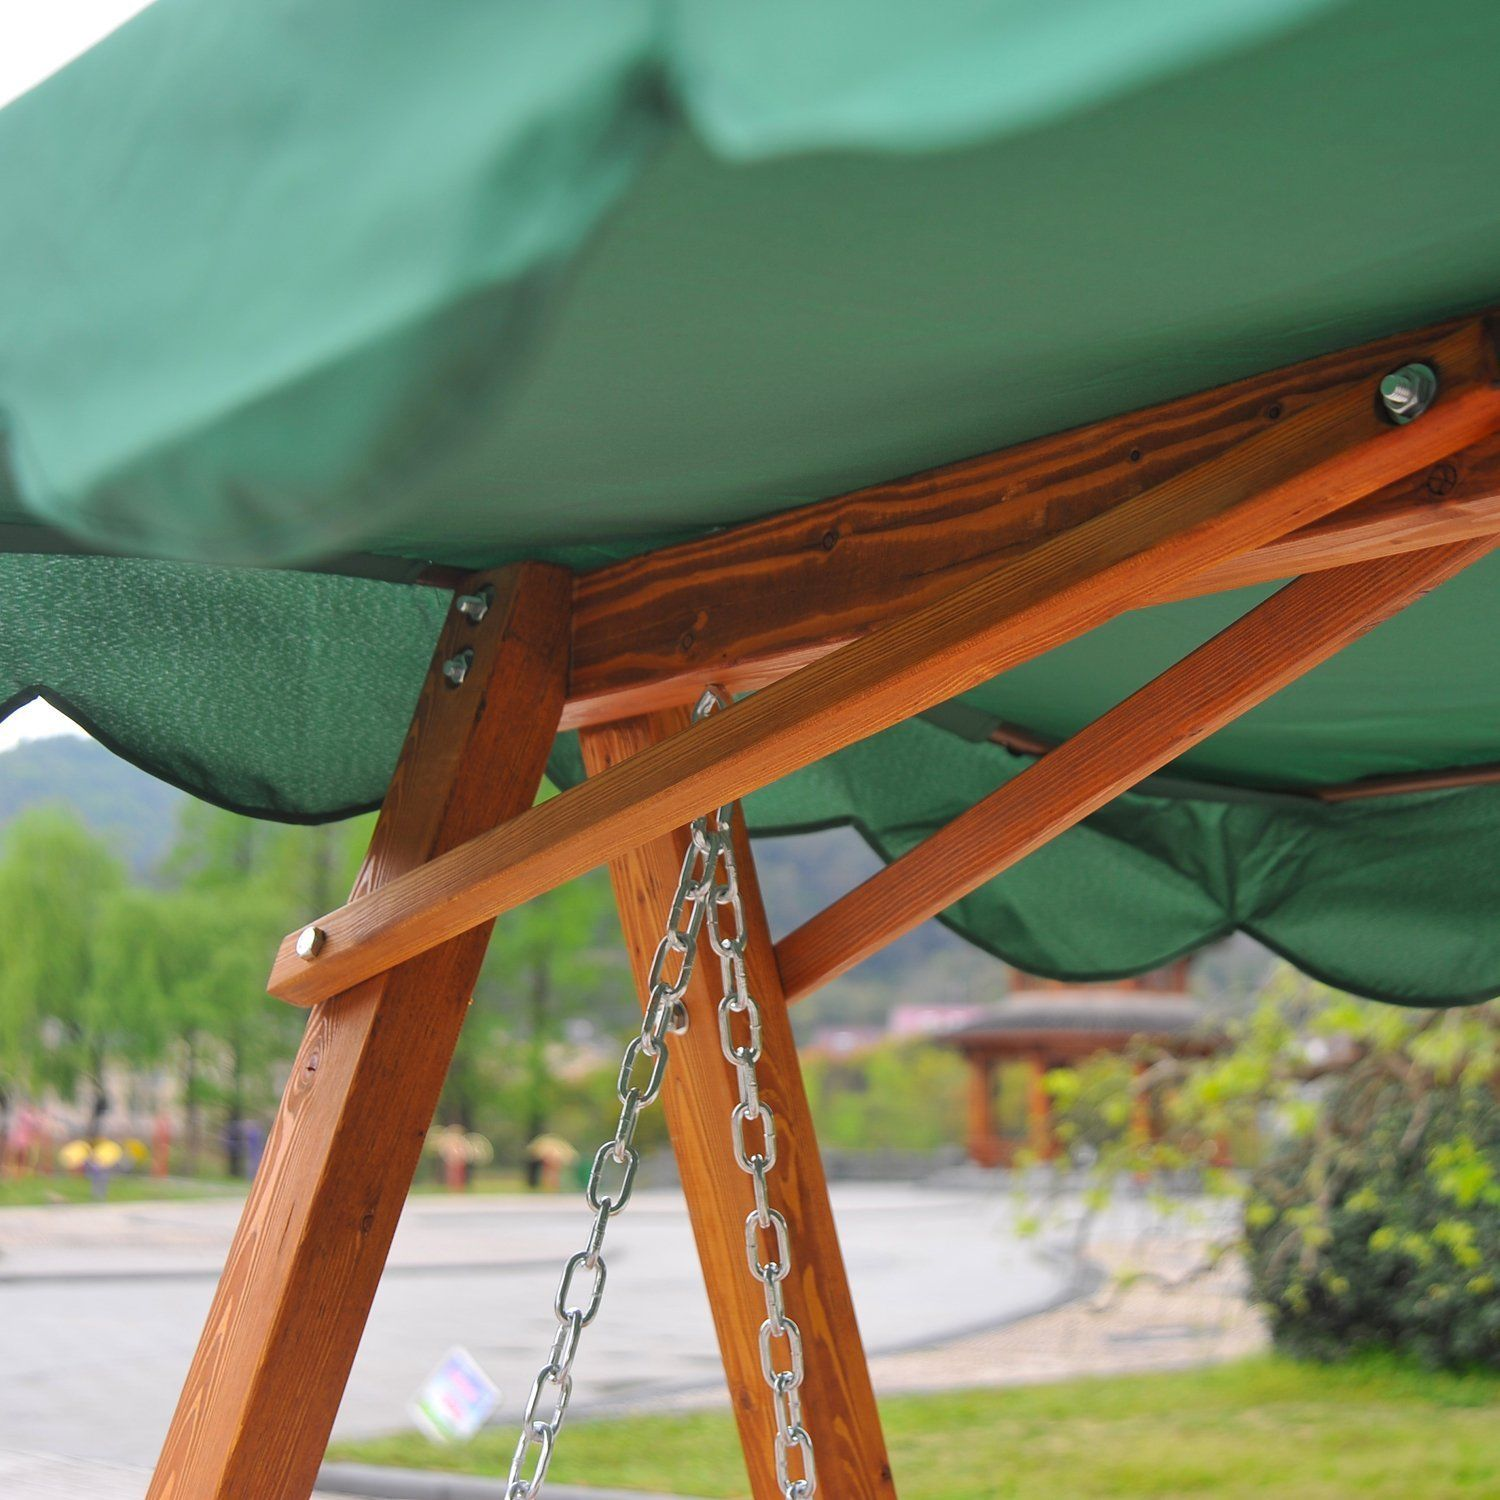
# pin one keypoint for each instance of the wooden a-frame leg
(261, 1394)
(698, 1096)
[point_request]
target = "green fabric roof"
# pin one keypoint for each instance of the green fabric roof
(467, 283)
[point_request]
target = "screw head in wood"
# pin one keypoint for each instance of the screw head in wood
(310, 942)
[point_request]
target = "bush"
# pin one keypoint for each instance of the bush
(1380, 1228)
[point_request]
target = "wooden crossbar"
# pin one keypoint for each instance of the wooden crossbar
(1302, 467)
(748, 605)
(1290, 633)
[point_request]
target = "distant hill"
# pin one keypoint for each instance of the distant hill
(799, 876)
(136, 812)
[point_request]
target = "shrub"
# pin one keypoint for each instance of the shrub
(1380, 1228)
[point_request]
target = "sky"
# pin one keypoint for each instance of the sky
(37, 37)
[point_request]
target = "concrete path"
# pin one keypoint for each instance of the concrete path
(100, 1308)
(43, 1476)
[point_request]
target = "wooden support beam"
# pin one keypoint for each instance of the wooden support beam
(254, 1416)
(746, 606)
(1402, 785)
(1449, 501)
(1299, 469)
(1301, 625)
(1039, 1138)
(698, 1096)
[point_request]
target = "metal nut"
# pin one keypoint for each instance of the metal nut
(1408, 392)
(474, 607)
(310, 942)
(456, 668)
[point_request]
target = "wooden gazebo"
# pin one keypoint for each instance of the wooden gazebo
(1047, 1023)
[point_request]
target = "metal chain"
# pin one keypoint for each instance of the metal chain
(752, 1110)
(618, 1158)
(701, 893)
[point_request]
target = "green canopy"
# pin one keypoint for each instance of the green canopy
(298, 295)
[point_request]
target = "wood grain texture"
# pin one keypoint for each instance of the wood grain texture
(1300, 469)
(1299, 626)
(1448, 501)
(698, 1096)
(746, 606)
(260, 1398)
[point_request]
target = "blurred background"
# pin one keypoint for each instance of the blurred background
(1220, 1168)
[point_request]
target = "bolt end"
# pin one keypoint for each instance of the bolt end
(474, 607)
(310, 943)
(456, 668)
(1408, 392)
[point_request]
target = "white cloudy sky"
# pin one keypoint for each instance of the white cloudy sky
(37, 37)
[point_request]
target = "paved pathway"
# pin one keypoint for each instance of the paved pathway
(43, 1476)
(100, 1308)
(1190, 1320)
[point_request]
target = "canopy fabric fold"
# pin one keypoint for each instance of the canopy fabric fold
(487, 281)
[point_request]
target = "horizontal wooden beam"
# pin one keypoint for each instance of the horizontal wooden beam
(1023, 741)
(1450, 779)
(1303, 467)
(1298, 627)
(745, 606)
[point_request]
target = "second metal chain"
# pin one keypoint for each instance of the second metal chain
(728, 942)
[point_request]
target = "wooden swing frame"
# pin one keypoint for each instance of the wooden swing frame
(844, 617)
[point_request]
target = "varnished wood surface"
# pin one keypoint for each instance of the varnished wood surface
(254, 1416)
(745, 606)
(1296, 628)
(698, 1096)
(1448, 501)
(1298, 470)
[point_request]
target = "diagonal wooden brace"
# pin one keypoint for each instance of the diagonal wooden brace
(1305, 467)
(1294, 630)
(260, 1398)
(698, 1096)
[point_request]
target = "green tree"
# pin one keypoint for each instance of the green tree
(63, 895)
(239, 885)
(553, 960)
(898, 1096)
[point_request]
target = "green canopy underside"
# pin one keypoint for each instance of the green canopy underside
(485, 281)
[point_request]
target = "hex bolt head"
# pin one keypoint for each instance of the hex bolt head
(1408, 392)
(474, 607)
(310, 943)
(456, 668)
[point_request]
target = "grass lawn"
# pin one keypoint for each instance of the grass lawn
(65, 1187)
(1373, 1430)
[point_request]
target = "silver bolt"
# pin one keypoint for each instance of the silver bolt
(474, 607)
(456, 668)
(1408, 392)
(310, 942)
